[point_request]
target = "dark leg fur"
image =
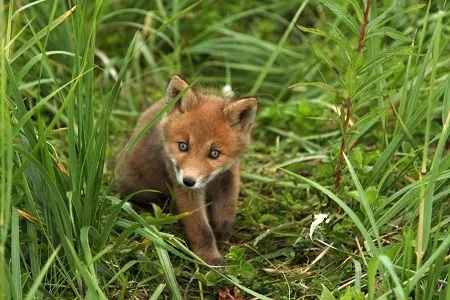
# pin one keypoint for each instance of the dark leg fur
(222, 195)
(198, 231)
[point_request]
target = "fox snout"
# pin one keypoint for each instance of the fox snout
(194, 178)
(191, 180)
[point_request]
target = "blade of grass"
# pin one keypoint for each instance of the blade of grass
(368, 239)
(169, 272)
(127, 266)
(426, 192)
(6, 153)
(24, 7)
(260, 79)
(363, 200)
(33, 289)
(421, 272)
(158, 291)
(15, 255)
(387, 263)
(93, 289)
(42, 33)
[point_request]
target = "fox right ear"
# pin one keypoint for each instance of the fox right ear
(176, 86)
(241, 113)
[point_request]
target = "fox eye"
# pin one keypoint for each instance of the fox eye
(214, 154)
(183, 146)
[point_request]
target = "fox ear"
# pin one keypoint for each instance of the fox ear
(241, 113)
(177, 85)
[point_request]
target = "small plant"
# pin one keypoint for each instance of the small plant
(362, 79)
(238, 266)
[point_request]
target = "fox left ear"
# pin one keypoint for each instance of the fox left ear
(176, 86)
(241, 113)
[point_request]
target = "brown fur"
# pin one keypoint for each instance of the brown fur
(205, 122)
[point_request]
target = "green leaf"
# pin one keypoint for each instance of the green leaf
(246, 270)
(350, 75)
(316, 84)
(385, 56)
(212, 278)
(446, 104)
(319, 32)
(352, 294)
(341, 12)
(392, 33)
(236, 254)
(359, 11)
(372, 195)
(371, 276)
(326, 295)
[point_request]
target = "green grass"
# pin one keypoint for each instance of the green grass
(358, 133)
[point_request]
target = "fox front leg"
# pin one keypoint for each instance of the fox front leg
(198, 231)
(222, 195)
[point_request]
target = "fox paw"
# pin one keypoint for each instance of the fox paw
(217, 261)
(212, 257)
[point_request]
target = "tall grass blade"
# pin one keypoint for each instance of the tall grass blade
(273, 56)
(368, 239)
(427, 190)
(41, 34)
(363, 200)
(421, 272)
(15, 255)
(6, 157)
(34, 288)
(157, 293)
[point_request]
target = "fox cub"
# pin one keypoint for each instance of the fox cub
(194, 151)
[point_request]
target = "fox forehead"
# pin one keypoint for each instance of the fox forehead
(204, 128)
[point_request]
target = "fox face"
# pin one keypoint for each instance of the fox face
(204, 135)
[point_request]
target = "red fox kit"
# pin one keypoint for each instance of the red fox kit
(194, 149)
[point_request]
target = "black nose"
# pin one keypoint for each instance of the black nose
(188, 181)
